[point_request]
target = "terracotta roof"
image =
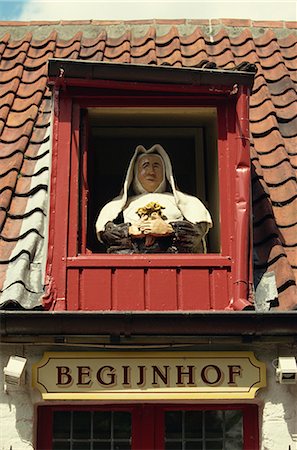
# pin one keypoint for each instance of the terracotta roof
(25, 112)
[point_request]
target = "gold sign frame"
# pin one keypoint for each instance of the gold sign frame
(121, 376)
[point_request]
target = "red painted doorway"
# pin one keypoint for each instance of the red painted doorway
(147, 427)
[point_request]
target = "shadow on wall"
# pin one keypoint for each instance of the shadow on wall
(266, 236)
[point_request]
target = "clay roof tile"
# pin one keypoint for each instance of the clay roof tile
(26, 108)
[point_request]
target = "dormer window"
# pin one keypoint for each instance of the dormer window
(103, 112)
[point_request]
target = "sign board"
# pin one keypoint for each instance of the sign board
(148, 375)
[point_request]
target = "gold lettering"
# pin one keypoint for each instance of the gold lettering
(234, 371)
(126, 375)
(159, 373)
(205, 372)
(181, 374)
(64, 376)
(141, 375)
(83, 371)
(111, 375)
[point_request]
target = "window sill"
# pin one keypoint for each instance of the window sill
(152, 260)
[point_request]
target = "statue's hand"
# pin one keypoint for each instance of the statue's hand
(135, 231)
(156, 227)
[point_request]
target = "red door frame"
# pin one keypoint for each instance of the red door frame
(234, 159)
(147, 422)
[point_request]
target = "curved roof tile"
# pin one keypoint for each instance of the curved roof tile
(93, 48)
(25, 145)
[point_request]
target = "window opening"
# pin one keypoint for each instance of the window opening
(92, 430)
(188, 135)
(203, 430)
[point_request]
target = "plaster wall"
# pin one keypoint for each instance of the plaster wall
(277, 403)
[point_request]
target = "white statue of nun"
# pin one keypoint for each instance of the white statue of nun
(150, 215)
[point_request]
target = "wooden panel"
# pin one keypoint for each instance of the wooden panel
(219, 289)
(128, 289)
(154, 289)
(95, 289)
(72, 291)
(193, 289)
(161, 289)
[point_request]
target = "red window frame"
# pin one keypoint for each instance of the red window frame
(147, 422)
(64, 260)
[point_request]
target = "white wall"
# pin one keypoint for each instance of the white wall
(16, 406)
(279, 417)
(277, 403)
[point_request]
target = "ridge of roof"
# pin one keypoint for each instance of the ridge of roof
(216, 21)
(41, 29)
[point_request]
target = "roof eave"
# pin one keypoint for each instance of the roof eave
(66, 69)
(201, 323)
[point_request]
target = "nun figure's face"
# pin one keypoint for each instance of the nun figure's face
(150, 172)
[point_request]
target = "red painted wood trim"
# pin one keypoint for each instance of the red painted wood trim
(58, 235)
(44, 426)
(219, 294)
(83, 151)
(148, 421)
(251, 427)
(181, 260)
(52, 211)
(225, 180)
(73, 297)
(242, 203)
(147, 430)
(74, 182)
(212, 89)
(159, 431)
